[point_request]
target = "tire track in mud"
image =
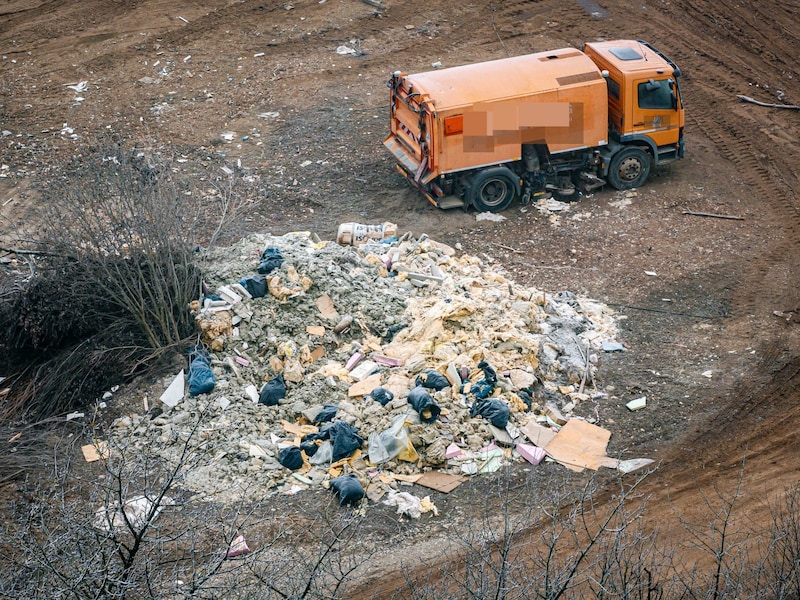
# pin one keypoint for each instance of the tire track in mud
(713, 76)
(760, 168)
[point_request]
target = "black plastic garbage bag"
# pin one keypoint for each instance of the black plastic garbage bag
(526, 394)
(256, 285)
(482, 389)
(310, 448)
(432, 379)
(382, 395)
(348, 488)
(489, 374)
(273, 391)
(291, 458)
(424, 404)
(493, 410)
(271, 259)
(327, 413)
(344, 438)
(201, 377)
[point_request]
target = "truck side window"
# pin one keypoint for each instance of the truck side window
(613, 88)
(655, 94)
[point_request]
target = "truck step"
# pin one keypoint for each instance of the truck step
(450, 202)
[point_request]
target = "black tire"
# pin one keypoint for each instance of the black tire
(492, 190)
(629, 168)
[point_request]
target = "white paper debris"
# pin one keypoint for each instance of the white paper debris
(174, 393)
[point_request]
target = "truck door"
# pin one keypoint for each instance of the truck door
(655, 110)
(412, 125)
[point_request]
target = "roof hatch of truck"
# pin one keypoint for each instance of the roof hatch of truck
(625, 53)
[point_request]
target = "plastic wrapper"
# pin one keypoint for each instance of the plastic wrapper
(392, 443)
(432, 379)
(382, 395)
(291, 457)
(493, 410)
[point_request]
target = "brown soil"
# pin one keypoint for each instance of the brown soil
(176, 75)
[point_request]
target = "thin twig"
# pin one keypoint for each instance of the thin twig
(661, 310)
(494, 26)
(702, 214)
(509, 248)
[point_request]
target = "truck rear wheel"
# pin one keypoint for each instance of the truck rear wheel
(629, 168)
(492, 190)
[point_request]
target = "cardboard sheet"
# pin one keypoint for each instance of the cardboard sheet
(365, 386)
(580, 445)
(539, 435)
(441, 482)
(325, 306)
(94, 452)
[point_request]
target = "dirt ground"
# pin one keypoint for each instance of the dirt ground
(258, 87)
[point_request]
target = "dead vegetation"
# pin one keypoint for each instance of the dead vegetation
(102, 291)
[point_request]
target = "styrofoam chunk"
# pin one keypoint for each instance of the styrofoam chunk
(453, 451)
(637, 404)
(533, 454)
(252, 392)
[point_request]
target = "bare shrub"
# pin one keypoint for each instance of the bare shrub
(132, 532)
(522, 543)
(112, 273)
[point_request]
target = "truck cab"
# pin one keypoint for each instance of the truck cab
(644, 99)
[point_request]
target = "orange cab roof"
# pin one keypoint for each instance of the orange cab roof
(505, 78)
(630, 55)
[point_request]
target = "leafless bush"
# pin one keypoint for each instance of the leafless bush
(524, 544)
(779, 569)
(132, 532)
(112, 273)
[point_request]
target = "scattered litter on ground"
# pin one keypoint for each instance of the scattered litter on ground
(490, 216)
(138, 511)
(237, 547)
(637, 404)
(428, 367)
(551, 205)
(96, 451)
(410, 505)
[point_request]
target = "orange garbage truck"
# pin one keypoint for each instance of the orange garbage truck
(560, 122)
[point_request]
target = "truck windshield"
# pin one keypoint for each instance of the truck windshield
(655, 94)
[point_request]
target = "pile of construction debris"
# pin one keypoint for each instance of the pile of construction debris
(398, 359)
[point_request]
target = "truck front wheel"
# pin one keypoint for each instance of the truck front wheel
(629, 168)
(492, 190)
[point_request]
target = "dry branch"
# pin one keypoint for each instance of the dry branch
(767, 104)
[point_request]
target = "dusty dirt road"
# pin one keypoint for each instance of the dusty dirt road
(258, 87)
